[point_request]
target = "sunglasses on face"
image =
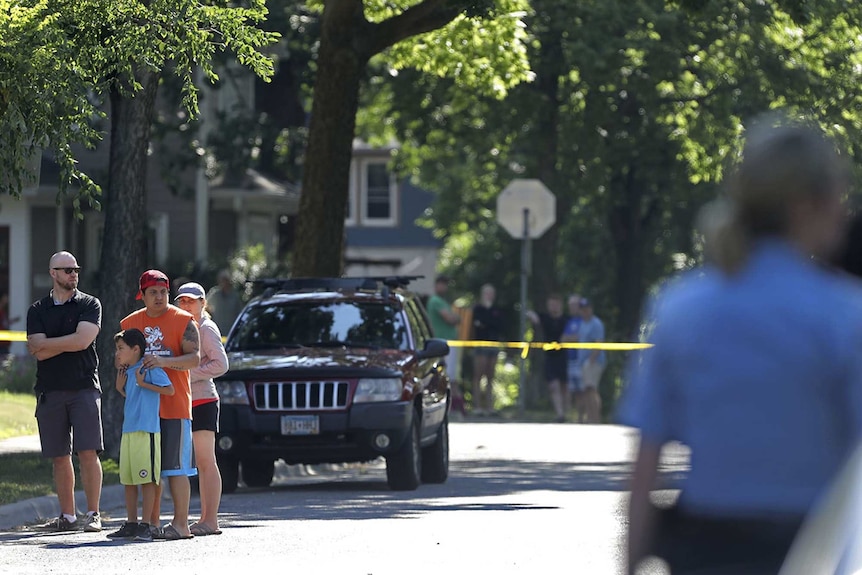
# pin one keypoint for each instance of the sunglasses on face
(69, 270)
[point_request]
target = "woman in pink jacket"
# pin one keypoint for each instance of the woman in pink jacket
(191, 297)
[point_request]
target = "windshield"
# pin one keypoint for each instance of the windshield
(317, 324)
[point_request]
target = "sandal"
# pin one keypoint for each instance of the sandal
(170, 533)
(201, 530)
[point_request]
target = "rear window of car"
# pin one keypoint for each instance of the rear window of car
(320, 324)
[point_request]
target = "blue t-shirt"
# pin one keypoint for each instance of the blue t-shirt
(573, 327)
(760, 374)
(591, 331)
(141, 412)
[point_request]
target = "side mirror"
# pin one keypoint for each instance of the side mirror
(434, 348)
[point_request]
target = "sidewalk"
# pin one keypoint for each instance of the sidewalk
(43, 508)
(27, 443)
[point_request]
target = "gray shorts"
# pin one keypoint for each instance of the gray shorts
(69, 421)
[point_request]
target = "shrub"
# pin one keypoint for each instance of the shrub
(18, 374)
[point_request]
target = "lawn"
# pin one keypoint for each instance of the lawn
(26, 475)
(16, 414)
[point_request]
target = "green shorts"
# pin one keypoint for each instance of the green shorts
(140, 458)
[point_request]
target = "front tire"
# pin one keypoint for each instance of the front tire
(229, 470)
(435, 457)
(257, 472)
(404, 467)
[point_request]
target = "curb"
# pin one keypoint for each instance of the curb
(40, 509)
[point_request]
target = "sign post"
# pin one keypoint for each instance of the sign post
(526, 209)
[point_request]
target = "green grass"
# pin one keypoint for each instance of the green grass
(26, 475)
(16, 414)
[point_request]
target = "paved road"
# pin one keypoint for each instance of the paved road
(521, 498)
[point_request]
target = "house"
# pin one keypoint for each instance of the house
(382, 234)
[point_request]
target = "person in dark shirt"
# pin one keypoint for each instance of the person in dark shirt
(487, 326)
(61, 335)
(551, 325)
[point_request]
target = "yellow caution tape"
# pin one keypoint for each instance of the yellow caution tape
(525, 346)
(6, 335)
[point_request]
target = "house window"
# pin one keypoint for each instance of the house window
(378, 194)
(350, 209)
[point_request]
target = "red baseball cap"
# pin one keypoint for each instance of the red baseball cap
(151, 278)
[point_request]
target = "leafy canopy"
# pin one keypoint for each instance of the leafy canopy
(58, 58)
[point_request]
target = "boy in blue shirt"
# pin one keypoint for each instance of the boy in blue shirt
(140, 446)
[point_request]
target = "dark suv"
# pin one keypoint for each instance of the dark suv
(334, 371)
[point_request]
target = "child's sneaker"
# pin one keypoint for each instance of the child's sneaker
(143, 532)
(93, 522)
(127, 531)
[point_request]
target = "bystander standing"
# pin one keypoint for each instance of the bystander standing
(223, 302)
(591, 364)
(173, 343)
(444, 323)
(205, 406)
(61, 335)
(487, 326)
(140, 446)
(552, 323)
(571, 334)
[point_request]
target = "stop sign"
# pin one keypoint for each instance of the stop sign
(530, 195)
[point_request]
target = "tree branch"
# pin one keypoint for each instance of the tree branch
(423, 17)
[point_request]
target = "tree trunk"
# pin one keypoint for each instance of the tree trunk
(319, 244)
(544, 275)
(629, 225)
(124, 240)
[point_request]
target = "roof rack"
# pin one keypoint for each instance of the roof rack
(381, 284)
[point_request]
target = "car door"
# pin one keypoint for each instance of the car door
(429, 371)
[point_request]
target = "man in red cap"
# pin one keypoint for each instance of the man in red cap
(173, 343)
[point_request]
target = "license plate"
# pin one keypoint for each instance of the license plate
(300, 425)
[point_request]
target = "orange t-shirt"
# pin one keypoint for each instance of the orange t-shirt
(165, 338)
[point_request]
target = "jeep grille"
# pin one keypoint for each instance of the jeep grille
(300, 395)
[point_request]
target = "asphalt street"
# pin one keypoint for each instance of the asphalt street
(521, 498)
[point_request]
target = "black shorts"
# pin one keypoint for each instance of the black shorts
(69, 421)
(205, 417)
(556, 370)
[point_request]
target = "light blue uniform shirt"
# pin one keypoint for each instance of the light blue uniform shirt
(760, 374)
(141, 412)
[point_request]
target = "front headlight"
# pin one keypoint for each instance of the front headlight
(232, 392)
(378, 389)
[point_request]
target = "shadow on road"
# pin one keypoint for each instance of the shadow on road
(352, 496)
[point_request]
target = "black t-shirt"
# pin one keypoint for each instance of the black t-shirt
(552, 330)
(487, 323)
(71, 370)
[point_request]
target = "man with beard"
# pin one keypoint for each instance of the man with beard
(61, 335)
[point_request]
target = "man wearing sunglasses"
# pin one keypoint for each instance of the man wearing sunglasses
(61, 335)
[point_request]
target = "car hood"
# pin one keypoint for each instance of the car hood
(315, 363)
